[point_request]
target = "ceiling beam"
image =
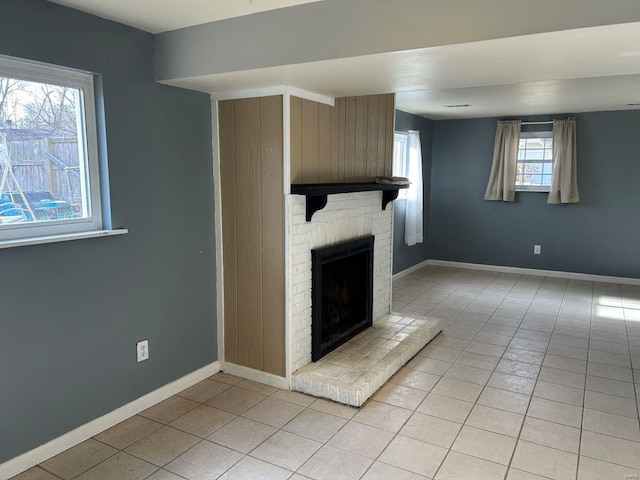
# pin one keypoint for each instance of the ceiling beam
(339, 29)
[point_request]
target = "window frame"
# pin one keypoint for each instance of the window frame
(534, 188)
(28, 70)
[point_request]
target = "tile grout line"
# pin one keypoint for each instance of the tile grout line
(449, 449)
(484, 386)
(584, 394)
(524, 419)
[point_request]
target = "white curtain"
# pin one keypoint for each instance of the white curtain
(413, 219)
(564, 186)
(502, 180)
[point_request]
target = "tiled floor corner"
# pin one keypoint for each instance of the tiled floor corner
(353, 372)
(531, 378)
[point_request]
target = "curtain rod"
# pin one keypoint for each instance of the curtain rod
(537, 123)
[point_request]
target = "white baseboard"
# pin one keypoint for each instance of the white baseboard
(58, 445)
(255, 375)
(533, 271)
(409, 270)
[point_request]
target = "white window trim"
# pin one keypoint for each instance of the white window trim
(534, 188)
(58, 230)
(21, 242)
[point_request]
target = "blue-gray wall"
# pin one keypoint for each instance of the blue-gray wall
(403, 255)
(71, 313)
(600, 235)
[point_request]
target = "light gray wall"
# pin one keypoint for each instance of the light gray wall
(345, 28)
(71, 313)
(404, 256)
(597, 236)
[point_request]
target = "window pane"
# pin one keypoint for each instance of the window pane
(534, 143)
(546, 179)
(42, 153)
(530, 172)
(531, 168)
(535, 154)
(547, 168)
(399, 155)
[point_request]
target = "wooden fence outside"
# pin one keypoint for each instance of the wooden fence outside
(47, 164)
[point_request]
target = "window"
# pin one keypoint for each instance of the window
(401, 159)
(534, 166)
(49, 169)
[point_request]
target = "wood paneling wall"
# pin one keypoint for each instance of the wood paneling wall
(251, 177)
(352, 141)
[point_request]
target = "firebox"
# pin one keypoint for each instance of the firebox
(342, 293)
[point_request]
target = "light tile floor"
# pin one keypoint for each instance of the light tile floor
(532, 378)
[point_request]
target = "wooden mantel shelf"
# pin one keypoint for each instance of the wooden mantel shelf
(316, 193)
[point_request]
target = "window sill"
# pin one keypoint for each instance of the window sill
(21, 242)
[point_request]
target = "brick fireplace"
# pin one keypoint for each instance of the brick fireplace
(356, 369)
(346, 217)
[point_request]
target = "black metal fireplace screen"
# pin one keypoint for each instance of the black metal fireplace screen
(342, 294)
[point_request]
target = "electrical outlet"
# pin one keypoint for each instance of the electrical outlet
(142, 348)
(537, 249)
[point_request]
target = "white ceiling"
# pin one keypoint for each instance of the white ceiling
(157, 16)
(594, 94)
(589, 69)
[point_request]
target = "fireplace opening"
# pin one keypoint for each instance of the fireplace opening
(342, 294)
